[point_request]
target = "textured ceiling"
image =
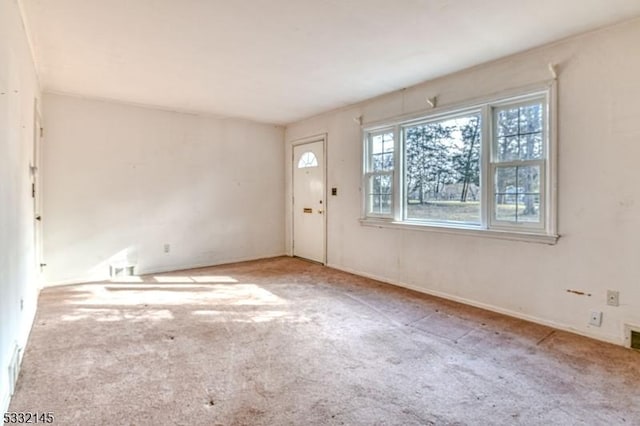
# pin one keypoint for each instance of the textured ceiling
(281, 60)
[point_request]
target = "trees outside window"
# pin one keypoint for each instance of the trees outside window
(442, 169)
(486, 166)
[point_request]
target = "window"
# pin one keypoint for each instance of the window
(487, 167)
(379, 167)
(308, 159)
(517, 164)
(442, 170)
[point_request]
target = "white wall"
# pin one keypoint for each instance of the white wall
(599, 206)
(18, 91)
(120, 178)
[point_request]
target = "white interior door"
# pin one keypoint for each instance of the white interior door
(309, 206)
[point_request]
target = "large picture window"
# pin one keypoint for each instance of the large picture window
(442, 169)
(486, 167)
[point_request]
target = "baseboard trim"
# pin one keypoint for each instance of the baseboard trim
(488, 307)
(169, 268)
(184, 267)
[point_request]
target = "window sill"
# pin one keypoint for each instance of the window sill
(465, 230)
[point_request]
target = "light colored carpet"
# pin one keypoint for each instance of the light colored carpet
(287, 342)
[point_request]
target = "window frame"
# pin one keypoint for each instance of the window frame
(369, 173)
(544, 231)
(313, 163)
(494, 163)
(457, 113)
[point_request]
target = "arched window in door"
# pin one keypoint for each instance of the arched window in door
(308, 159)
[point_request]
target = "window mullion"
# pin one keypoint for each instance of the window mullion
(519, 163)
(551, 170)
(398, 175)
(486, 179)
(364, 196)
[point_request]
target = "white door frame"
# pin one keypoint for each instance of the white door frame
(311, 139)
(36, 179)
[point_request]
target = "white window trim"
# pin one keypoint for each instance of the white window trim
(368, 173)
(545, 232)
(494, 163)
(461, 230)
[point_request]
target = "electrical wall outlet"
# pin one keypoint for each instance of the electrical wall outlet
(167, 248)
(596, 318)
(613, 298)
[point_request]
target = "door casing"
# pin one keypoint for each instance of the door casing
(298, 142)
(36, 180)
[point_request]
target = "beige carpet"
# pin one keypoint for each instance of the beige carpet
(287, 342)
